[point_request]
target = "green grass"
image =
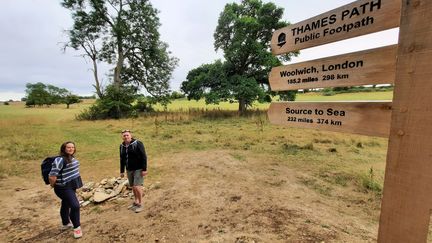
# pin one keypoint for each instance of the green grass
(31, 134)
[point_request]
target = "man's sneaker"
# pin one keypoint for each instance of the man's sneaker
(77, 232)
(132, 206)
(138, 209)
(67, 226)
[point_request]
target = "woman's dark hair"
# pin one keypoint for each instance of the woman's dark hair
(63, 153)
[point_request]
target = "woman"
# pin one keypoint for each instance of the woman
(65, 179)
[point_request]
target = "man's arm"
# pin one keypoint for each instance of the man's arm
(122, 165)
(143, 154)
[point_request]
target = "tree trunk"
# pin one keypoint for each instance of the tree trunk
(242, 106)
(67, 106)
(97, 84)
(119, 66)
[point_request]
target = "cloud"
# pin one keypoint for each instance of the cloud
(33, 33)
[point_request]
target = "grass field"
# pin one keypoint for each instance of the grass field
(33, 133)
(220, 177)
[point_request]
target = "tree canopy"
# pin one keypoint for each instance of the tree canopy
(123, 33)
(42, 94)
(243, 33)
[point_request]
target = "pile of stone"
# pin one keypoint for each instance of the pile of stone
(106, 189)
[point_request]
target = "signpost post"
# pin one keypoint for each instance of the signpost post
(407, 121)
(407, 199)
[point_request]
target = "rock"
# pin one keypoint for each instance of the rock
(112, 181)
(86, 195)
(104, 190)
(120, 186)
(100, 195)
(85, 203)
(88, 186)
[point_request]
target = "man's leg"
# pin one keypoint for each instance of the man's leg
(135, 193)
(138, 194)
(138, 183)
(131, 179)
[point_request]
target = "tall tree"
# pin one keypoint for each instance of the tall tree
(243, 33)
(123, 33)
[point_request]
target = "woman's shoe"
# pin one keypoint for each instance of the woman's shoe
(77, 232)
(67, 226)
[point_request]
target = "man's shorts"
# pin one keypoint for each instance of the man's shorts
(135, 178)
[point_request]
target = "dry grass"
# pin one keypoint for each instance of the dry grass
(214, 176)
(335, 158)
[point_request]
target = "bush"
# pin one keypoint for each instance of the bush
(5, 103)
(30, 103)
(117, 103)
(144, 105)
(328, 92)
(288, 95)
(369, 183)
(177, 95)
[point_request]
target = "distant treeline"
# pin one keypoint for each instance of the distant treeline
(40, 94)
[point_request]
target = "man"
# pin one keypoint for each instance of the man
(134, 158)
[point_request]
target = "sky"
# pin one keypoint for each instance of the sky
(32, 34)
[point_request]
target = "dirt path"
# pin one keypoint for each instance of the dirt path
(209, 196)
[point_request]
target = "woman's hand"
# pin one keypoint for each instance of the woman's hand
(52, 180)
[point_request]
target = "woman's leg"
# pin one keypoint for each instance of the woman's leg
(74, 208)
(70, 201)
(64, 208)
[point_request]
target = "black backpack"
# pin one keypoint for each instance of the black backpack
(46, 168)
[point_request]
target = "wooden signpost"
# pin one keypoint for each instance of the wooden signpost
(355, 19)
(367, 118)
(407, 199)
(375, 66)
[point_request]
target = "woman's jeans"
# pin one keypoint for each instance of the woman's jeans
(70, 208)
